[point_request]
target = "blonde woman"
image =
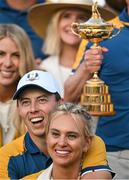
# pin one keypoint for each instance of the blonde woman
(68, 138)
(16, 58)
(52, 21)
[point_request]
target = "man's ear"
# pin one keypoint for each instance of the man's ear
(61, 101)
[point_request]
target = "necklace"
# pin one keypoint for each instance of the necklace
(79, 176)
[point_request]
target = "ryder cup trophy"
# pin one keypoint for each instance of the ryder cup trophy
(95, 97)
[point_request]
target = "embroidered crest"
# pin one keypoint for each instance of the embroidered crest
(32, 76)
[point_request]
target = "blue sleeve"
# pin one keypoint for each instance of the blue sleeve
(13, 168)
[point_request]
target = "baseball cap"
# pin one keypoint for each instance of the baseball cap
(38, 78)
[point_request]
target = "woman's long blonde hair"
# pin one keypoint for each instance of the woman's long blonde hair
(27, 63)
(52, 41)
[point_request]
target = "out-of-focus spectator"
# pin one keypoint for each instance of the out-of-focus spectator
(15, 11)
(16, 58)
(115, 6)
(53, 22)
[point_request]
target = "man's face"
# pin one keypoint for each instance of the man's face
(34, 105)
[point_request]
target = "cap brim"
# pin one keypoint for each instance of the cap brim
(17, 93)
(40, 14)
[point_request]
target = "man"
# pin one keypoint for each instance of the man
(112, 63)
(37, 94)
(15, 12)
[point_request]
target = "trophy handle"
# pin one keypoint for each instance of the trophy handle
(75, 29)
(114, 35)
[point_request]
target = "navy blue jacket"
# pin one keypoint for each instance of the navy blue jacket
(10, 15)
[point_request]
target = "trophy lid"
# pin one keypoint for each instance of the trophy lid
(95, 20)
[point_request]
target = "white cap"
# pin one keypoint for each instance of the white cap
(40, 79)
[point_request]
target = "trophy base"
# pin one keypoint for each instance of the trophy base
(96, 98)
(102, 113)
(100, 110)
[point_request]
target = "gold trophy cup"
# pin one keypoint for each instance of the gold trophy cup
(95, 97)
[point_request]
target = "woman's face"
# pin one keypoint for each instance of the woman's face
(66, 141)
(66, 19)
(9, 62)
